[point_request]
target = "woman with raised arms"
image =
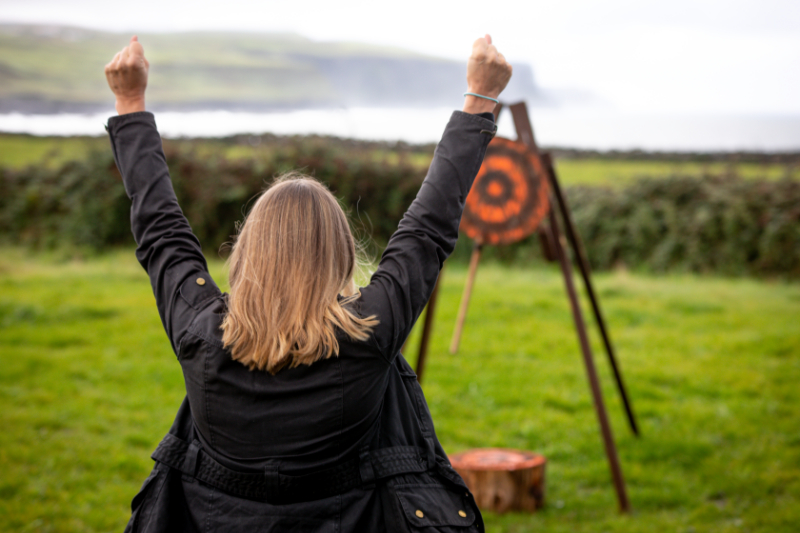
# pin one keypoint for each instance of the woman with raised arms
(300, 412)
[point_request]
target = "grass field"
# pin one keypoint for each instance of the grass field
(18, 151)
(623, 172)
(88, 386)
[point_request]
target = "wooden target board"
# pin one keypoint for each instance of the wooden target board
(509, 197)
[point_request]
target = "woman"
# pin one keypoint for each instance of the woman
(300, 413)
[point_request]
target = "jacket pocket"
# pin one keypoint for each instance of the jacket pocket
(435, 508)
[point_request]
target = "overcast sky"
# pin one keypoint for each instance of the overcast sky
(638, 56)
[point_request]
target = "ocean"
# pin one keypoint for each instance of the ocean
(573, 128)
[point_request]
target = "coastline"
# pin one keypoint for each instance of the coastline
(594, 129)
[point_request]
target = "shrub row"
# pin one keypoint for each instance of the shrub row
(83, 202)
(714, 224)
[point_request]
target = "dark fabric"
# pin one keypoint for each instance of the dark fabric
(301, 421)
(274, 487)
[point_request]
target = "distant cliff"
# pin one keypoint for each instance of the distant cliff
(53, 69)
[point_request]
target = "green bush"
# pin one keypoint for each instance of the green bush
(712, 224)
(83, 202)
(80, 203)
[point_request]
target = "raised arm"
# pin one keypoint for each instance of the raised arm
(166, 246)
(427, 234)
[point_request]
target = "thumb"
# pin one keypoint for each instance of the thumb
(136, 47)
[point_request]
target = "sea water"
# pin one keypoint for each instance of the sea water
(575, 128)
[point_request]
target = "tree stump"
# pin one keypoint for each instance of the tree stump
(503, 480)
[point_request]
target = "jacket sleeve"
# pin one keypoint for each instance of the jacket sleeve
(166, 246)
(427, 234)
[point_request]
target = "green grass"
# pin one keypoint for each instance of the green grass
(89, 385)
(623, 172)
(18, 151)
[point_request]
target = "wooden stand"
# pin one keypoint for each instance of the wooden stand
(503, 480)
(462, 310)
(583, 266)
(591, 372)
(525, 133)
(556, 248)
(424, 340)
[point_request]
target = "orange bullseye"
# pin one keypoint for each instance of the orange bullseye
(495, 189)
(509, 197)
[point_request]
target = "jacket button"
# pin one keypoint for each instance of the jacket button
(462, 514)
(201, 281)
(419, 514)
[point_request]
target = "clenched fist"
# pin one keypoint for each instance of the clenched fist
(488, 73)
(127, 77)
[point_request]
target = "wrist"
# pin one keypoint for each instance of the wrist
(129, 105)
(475, 105)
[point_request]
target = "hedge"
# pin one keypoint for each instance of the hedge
(720, 224)
(712, 224)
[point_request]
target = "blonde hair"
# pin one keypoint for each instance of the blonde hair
(294, 257)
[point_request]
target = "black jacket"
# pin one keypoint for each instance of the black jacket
(346, 444)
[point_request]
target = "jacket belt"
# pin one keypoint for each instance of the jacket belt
(273, 487)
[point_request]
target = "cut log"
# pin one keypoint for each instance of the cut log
(503, 480)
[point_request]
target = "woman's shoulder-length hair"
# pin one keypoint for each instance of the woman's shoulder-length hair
(294, 257)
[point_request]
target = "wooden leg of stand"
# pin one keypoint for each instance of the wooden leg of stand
(426, 328)
(583, 266)
(594, 383)
(462, 311)
(525, 133)
(546, 243)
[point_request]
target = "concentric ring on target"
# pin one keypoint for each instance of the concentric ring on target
(509, 198)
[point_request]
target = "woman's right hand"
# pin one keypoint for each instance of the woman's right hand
(127, 77)
(488, 73)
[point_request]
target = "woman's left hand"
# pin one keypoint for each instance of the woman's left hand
(127, 77)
